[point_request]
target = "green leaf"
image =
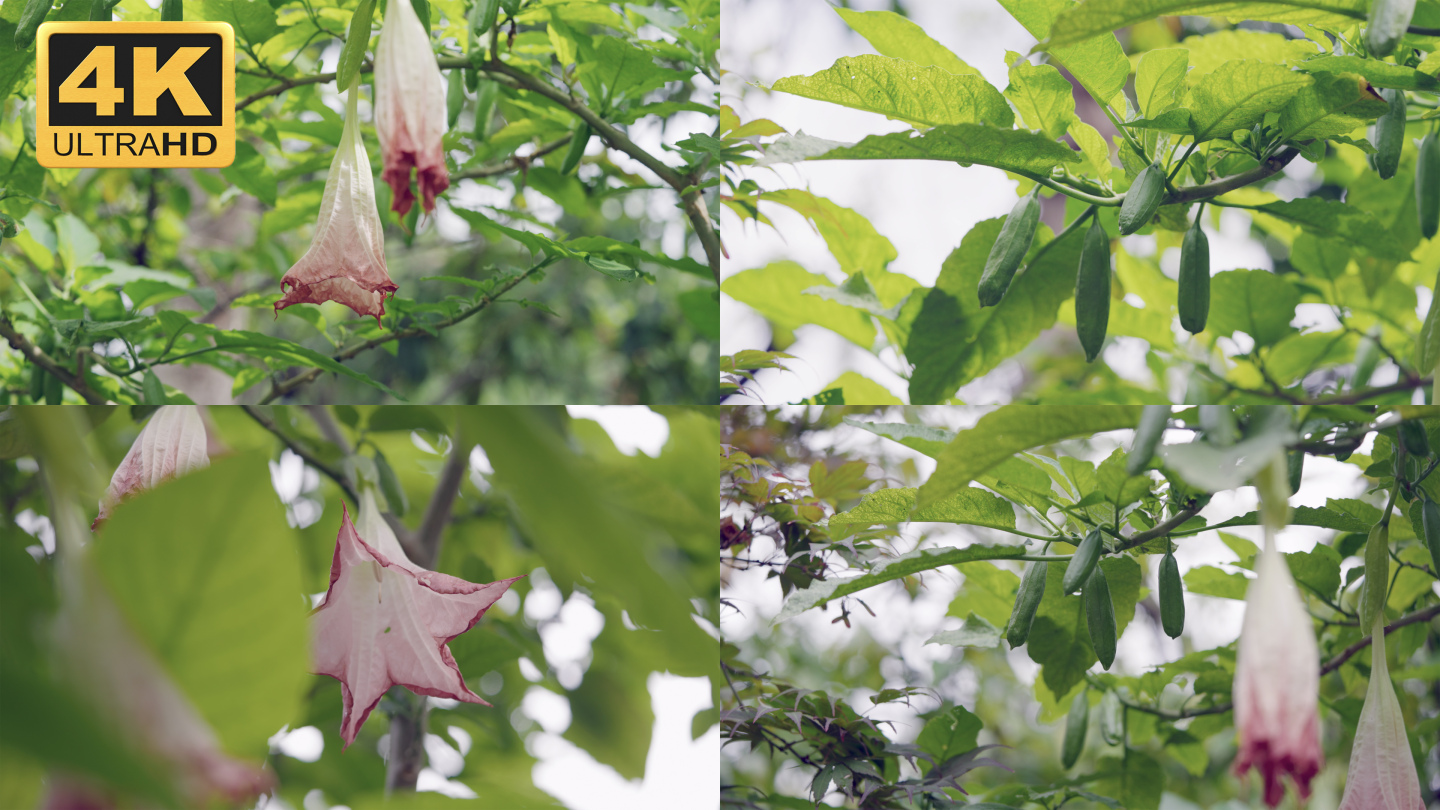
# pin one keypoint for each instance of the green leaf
(253, 20)
(1094, 17)
(357, 39)
(988, 591)
(1136, 779)
(1317, 569)
(702, 310)
(1378, 73)
(970, 506)
(852, 388)
(928, 440)
(954, 340)
(77, 245)
(890, 569)
(1336, 104)
(1099, 63)
(1239, 94)
(1336, 220)
(613, 68)
(949, 733)
(205, 570)
(251, 173)
(1160, 79)
(1256, 302)
(1009, 429)
(852, 240)
(975, 632)
(891, 34)
(1320, 258)
(777, 292)
(1059, 638)
(926, 96)
(1045, 100)
(1016, 151)
(1211, 581)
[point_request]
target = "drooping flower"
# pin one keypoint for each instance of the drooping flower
(172, 443)
(410, 113)
(385, 621)
(346, 259)
(1277, 681)
(1382, 773)
(99, 656)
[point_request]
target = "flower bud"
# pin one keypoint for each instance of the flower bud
(173, 443)
(410, 114)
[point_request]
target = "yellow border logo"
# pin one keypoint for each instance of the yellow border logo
(135, 94)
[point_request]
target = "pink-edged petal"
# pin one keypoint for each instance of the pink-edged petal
(410, 117)
(1382, 773)
(381, 626)
(346, 259)
(171, 444)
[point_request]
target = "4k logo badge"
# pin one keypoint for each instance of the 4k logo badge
(118, 94)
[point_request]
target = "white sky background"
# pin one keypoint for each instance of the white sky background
(924, 207)
(905, 625)
(679, 772)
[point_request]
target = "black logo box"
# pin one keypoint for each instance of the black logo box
(67, 51)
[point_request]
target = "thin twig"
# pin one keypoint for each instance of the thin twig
(513, 162)
(442, 501)
(299, 449)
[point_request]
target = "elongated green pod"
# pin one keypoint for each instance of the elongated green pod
(1143, 199)
(37, 384)
(1112, 718)
(1077, 722)
(1430, 521)
(1027, 600)
(577, 148)
(1387, 24)
(1193, 299)
(1367, 357)
(1082, 563)
(1390, 133)
(483, 14)
(1413, 437)
(152, 389)
(485, 96)
(1295, 466)
(454, 97)
(1427, 184)
(1147, 437)
(1010, 248)
(1092, 291)
(54, 390)
(172, 11)
(1100, 616)
(1172, 596)
(1377, 574)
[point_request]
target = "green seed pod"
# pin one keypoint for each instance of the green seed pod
(1010, 248)
(1100, 617)
(37, 384)
(390, 486)
(454, 97)
(482, 18)
(1295, 462)
(1112, 718)
(1430, 520)
(1427, 184)
(1194, 293)
(485, 96)
(1082, 563)
(1092, 291)
(1172, 596)
(1077, 722)
(54, 390)
(1027, 599)
(1142, 199)
(1377, 574)
(577, 148)
(172, 11)
(1147, 436)
(1390, 134)
(1388, 21)
(152, 389)
(1413, 437)
(1367, 357)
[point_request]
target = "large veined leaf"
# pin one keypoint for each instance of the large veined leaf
(1094, 17)
(777, 292)
(1239, 94)
(1256, 302)
(852, 240)
(889, 570)
(972, 506)
(205, 570)
(1099, 63)
(1336, 220)
(954, 340)
(1160, 78)
(894, 35)
(1336, 104)
(927, 96)
(928, 440)
(1008, 430)
(1013, 150)
(1380, 74)
(1045, 99)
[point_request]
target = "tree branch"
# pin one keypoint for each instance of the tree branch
(298, 449)
(513, 162)
(33, 353)
(442, 501)
(1272, 165)
(1140, 538)
(310, 375)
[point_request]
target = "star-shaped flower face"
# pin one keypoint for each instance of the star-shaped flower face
(385, 621)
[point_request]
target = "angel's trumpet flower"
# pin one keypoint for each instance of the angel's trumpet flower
(410, 113)
(1382, 773)
(346, 259)
(172, 444)
(1277, 664)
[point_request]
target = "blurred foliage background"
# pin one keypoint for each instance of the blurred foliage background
(621, 541)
